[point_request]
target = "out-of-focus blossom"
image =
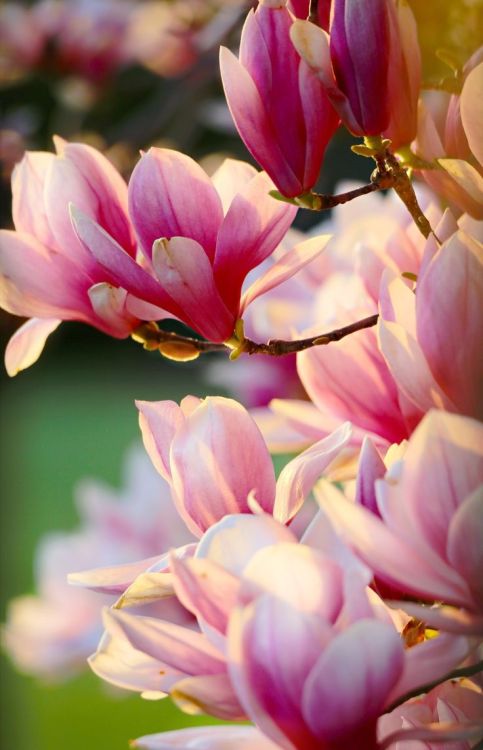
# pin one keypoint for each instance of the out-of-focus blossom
(231, 737)
(215, 459)
(45, 272)
(449, 134)
(201, 238)
(269, 81)
(344, 286)
(369, 64)
(281, 627)
(426, 537)
(429, 338)
(455, 701)
(52, 633)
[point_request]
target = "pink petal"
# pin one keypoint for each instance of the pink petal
(409, 368)
(171, 196)
(299, 475)
(27, 343)
(251, 230)
(35, 282)
(211, 441)
(234, 540)
(465, 542)
(206, 589)
(443, 464)
(284, 268)
(371, 467)
(445, 618)
(97, 188)
(433, 733)
(429, 662)
(208, 694)
(269, 681)
(472, 110)
(230, 178)
(449, 311)
(120, 267)
(253, 124)
(185, 273)
(297, 575)
(394, 559)
(114, 579)
(159, 422)
(28, 210)
(328, 373)
(179, 648)
(207, 738)
(352, 679)
(109, 304)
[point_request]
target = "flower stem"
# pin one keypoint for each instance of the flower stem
(184, 348)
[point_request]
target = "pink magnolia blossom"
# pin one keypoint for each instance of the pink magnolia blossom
(283, 630)
(216, 461)
(52, 633)
(45, 272)
(201, 238)
(456, 701)
(369, 63)
(429, 338)
(268, 81)
(449, 136)
(425, 537)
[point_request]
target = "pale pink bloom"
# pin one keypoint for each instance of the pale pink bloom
(423, 533)
(429, 338)
(460, 702)
(52, 633)
(269, 81)
(231, 737)
(45, 272)
(216, 461)
(283, 630)
(449, 133)
(369, 64)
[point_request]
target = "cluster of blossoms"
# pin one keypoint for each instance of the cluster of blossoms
(95, 38)
(340, 605)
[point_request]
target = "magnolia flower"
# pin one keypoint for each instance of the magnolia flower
(45, 272)
(423, 533)
(201, 238)
(429, 338)
(216, 461)
(286, 638)
(269, 81)
(452, 139)
(456, 701)
(52, 633)
(369, 63)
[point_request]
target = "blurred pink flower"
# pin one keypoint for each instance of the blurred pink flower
(200, 238)
(45, 272)
(449, 135)
(52, 633)
(269, 80)
(456, 701)
(423, 534)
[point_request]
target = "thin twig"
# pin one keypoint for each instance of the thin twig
(178, 347)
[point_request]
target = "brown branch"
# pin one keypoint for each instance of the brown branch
(185, 348)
